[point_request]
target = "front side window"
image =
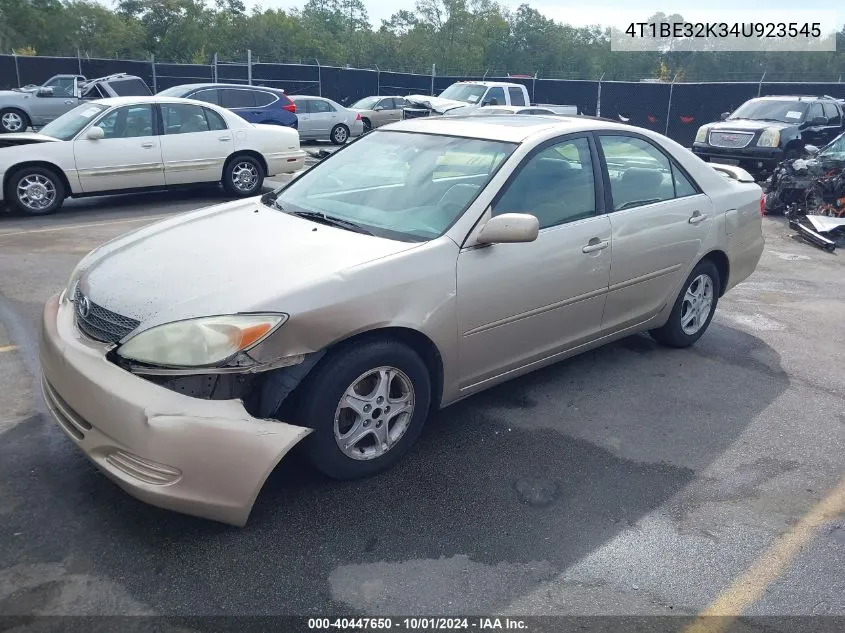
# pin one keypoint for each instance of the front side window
(128, 122)
(183, 118)
(640, 173)
(496, 96)
(71, 123)
(557, 185)
(62, 86)
(404, 186)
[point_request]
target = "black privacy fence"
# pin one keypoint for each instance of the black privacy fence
(676, 110)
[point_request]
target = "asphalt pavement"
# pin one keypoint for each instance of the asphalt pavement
(633, 479)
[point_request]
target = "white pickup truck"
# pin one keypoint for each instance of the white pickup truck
(464, 97)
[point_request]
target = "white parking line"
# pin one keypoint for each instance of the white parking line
(65, 227)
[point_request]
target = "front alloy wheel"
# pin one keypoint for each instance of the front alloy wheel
(374, 413)
(35, 191)
(12, 121)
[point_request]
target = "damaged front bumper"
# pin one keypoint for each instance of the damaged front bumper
(207, 458)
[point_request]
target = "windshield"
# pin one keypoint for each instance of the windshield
(367, 103)
(470, 93)
(398, 185)
(70, 123)
(766, 109)
(836, 149)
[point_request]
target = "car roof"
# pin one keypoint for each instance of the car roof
(513, 128)
(795, 98)
(119, 101)
(222, 85)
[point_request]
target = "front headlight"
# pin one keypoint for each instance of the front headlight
(200, 342)
(701, 135)
(769, 138)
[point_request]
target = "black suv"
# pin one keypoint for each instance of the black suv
(764, 131)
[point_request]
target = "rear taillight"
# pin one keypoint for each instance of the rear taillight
(763, 204)
(357, 116)
(290, 107)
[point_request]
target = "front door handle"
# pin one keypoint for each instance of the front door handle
(146, 145)
(224, 138)
(594, 245)
(68, 102)
(697, 216)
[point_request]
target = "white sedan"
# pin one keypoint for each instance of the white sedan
(137, 143)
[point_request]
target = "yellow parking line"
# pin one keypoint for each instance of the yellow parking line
(7, 348)
(148, 218)
(751, 586)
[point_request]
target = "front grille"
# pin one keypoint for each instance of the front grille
(730, 139)
(99, 323)
(413, 113)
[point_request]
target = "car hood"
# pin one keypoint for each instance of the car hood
(24, 138)
(750, 125)
(435, 103)
(236, 257)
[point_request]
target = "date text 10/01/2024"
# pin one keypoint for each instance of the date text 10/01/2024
(416, 624)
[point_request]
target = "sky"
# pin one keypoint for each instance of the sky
(617, 13)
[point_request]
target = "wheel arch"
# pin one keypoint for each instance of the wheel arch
(38, 163)
(723, 266)
(245, 152)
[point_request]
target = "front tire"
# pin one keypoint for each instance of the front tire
(367, 404)
(368, 126)
(693, 309)
(35, 191)
(243, 176)
(339, 135)
(13, 120)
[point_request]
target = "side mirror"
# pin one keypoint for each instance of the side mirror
(812, 150)
(819, 120)
(509, 228)
(95, 133)
(379, 108)
(45, 92)
(724, 116)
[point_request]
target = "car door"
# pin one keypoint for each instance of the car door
(495, 96)
(389, 112)
(129, 154)
(659, 218)
(52, 103)
(322, 116)
(521, 303)
(194, 145)
(241, 101)
(834, 121)
(814, 133)
(305, 124)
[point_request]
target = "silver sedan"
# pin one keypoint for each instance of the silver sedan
(322, 119)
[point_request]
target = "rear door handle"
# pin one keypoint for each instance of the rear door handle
(697, 216)
(595, 244)
(147, 145)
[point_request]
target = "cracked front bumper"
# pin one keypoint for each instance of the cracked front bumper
(208, 458)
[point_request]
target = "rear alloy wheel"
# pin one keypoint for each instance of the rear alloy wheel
(35, 191)
(693, 309)
(367, 405)
(340, 134)
(243, 176)
(12, 121)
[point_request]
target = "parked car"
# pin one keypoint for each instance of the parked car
(38, 105)
(322, 119)
(764, 131)
(488, 110)
(397, 276)
(378, 111)
(132, 143)
(256, 104)
(466, 95)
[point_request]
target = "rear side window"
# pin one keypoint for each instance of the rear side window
(129, 88)
(317, 106)
(209, 96)
(234, 98)
(214, 120)
(184, 118)
(263, 98)
(640, 174)
(517, 98)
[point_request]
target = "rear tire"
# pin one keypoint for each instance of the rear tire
(35, 191)
(359, 374)
(693, 309)
(12, 121)
(339, 134)
(243, 176)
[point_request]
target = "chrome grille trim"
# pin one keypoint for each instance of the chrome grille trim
(722, 138)
(413, 113)
(102, 324)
